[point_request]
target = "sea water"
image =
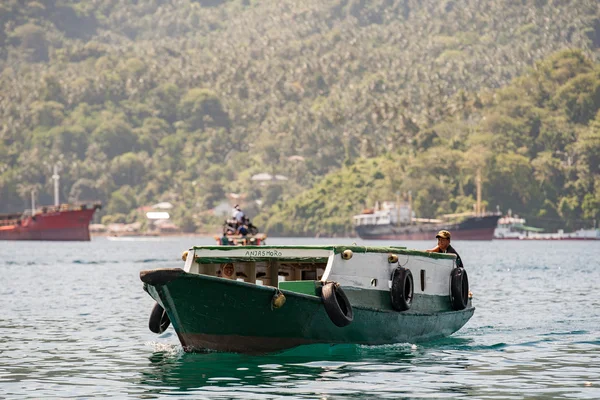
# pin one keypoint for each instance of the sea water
(74, 324)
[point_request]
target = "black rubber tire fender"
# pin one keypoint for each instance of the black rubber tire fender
(403, 289)
(459, 289)
(159, 320)
(336, 304)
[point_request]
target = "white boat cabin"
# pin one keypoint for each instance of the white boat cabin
(352, 266)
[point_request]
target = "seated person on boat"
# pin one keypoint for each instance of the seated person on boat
(443, 238)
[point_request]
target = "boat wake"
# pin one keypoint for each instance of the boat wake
(166, 350)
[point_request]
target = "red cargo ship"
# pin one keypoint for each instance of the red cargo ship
(57, 222)
(62, 222)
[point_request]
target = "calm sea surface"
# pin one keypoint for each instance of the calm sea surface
(74, 324)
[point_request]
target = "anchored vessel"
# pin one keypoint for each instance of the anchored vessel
(513, 227)
(397, 221)
(260, 299)
(57, 222)
(62, 222)
(390, 223)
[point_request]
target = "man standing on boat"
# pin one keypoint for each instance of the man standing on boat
(238, 214)
(443, 246)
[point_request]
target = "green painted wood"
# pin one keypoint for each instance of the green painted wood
(228, 315)
(306, 287)
(337, 249)
(380, 300)
(221, 260)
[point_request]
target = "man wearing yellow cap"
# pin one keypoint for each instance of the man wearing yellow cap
(443, 246)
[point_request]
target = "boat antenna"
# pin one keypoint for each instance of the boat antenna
(398, 207)
(410, 207)
(478, 209)
(56, 178)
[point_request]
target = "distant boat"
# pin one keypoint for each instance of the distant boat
(231, 238)
(241, 240)
(58, 222)
(62, 222)
(397, 221)
(387, 224)
(513, 228)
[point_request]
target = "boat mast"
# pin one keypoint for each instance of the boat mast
(32, 200)
(397, 207)
(478, 208)
(56, 178)
(410, 207)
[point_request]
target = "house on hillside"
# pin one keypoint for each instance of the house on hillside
(159, 219)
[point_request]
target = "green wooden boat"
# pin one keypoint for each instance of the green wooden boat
(261, 299)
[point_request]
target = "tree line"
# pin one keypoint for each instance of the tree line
(184, 101)
(535, 141)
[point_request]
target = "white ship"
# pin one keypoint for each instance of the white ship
(514, 227)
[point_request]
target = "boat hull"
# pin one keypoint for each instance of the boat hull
(476, 228)
(69, 225)
(233, 316)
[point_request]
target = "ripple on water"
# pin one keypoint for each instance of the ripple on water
(75, 322)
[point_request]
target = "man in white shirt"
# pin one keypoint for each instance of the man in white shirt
(238, 214)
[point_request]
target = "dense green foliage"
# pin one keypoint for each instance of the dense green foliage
(536, 143)
(184, 101)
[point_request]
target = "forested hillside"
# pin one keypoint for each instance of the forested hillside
(536, 143)
(184, 101)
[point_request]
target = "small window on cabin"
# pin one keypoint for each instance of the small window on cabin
(309, 275)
